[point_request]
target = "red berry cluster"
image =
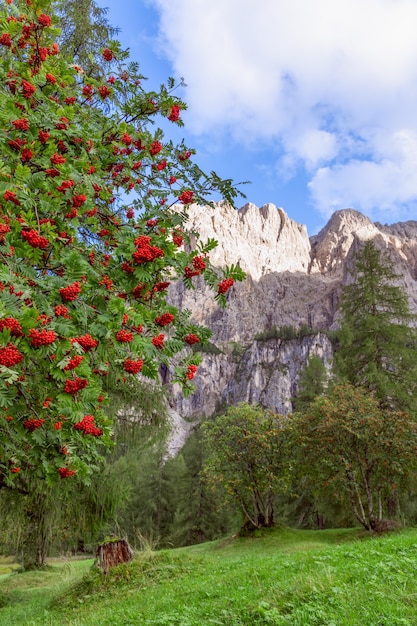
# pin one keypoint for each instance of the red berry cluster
(26, 155)
(86, 342)
(144, 251)
(184, 156)
(107, 54)
(10, 196)
(164, 319)
(104, 91)
(10, 355)
(43, 319)
(139, 291)
(4, 229)
(191, 370)
(57, 159)
(107, 282)
(70, 293)
(32, 424)
(73, 363)
(43, 136)
(21, 124)
(62, 311)
(34, 239)
(28, 89)
(41, 337)
(225, 285)
(17, 144)
(177, 238)
(5, 40)
(66, 184)
(186, 197)
(13, 325)
(126, 139)
(162, 286)
(191, 338)
(124, 336)
(79, 200)
(64, 472)
(158, 341)
(74, 386)
(174, 114)
(199, 265)
(88, 427)
(45, 20)
(155, 148)
(133, 367)
(73, 213)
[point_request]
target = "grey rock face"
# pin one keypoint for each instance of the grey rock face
(291, 281)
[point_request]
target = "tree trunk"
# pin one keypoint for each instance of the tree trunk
(112, 553)
(37, 531)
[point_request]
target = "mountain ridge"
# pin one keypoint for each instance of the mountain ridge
(293, 280)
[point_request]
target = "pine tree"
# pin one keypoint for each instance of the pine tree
(377, 343)
(312, 383)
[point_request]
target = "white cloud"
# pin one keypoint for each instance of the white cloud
(332, 84)
(387, 184)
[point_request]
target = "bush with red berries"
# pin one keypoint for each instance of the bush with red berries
(93, 204)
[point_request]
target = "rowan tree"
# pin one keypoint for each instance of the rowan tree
(377, 341)
(85, 273)
(246, 453)
(356, 452)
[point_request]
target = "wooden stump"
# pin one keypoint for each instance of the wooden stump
(112, 553)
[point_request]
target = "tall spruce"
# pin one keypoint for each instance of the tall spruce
(377, 342)
(312, 383)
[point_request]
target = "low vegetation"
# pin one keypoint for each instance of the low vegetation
(286, 332)
(272, 577)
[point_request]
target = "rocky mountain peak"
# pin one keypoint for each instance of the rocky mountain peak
(279, 316)
(261, 240)
(333, 243)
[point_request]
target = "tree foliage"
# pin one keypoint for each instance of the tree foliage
(355, 451)
(377, 344)
(246, 454)
(85, 32)
(85, 273)
(312, 383)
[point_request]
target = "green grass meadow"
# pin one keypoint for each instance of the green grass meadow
(275, 577)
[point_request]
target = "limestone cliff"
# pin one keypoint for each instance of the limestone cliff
(292, 280)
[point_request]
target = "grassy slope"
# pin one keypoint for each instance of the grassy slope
(279, 577)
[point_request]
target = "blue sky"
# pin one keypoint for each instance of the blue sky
(313, 101)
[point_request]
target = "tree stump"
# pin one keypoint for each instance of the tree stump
(112, 553)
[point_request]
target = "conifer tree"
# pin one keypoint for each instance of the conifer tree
(377, 342)
(312, 383)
